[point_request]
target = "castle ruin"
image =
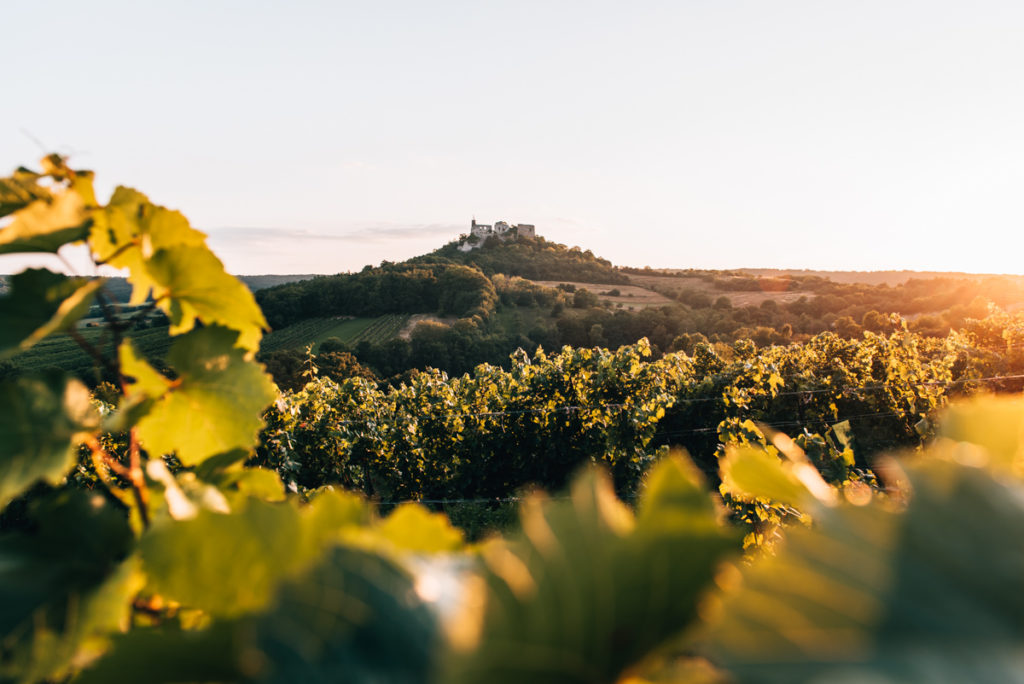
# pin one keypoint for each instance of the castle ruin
(478, 232)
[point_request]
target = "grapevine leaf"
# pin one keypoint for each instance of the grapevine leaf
(41, 303)
(932, 594)
(844, 433)
(411, 527)
(170, 655)
(20, 189)
(42, 421)
(254, 482)
(46, 225)
(994, 423)
(130, 230)
(673, 489)
(331, 511)
(355, 616)
(63, 585)
(587, 591)
(751, 473)
(143, 379)
(191, 285)
(250, 551)
(213, 406)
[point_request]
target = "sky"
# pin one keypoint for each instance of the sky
(317, 137)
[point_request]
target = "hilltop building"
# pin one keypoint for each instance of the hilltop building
(478, 232)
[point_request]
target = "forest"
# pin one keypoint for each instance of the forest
(533, 484)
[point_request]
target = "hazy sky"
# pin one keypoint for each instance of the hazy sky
(320, 136)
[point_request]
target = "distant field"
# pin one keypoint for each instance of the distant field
(891, 278)
(349, 330)
(668, 282)
(630, 296)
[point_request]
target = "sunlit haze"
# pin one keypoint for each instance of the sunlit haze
(309, 137)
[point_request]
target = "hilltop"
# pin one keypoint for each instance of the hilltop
(529, 257)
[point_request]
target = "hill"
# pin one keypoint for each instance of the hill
(533, 258)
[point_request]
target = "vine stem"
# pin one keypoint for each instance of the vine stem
(137, 478)
(134, 473)
(111, 463)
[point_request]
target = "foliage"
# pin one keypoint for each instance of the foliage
(136, 547)
(489, 432)
(588, 590)
(479, 435)
(928, 590)
(393, 288)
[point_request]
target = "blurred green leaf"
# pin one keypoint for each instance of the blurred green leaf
(674, 489)
(751, 472)
(331, 511)
(259, 483)
(63, 585)
(248, 551)
(213, 406)
(996, 424)
(170, 655)
(42, 421)
(40, 303)
(356, 617)
(932, 594)
(587, 592)
(353, 617)
(411, 527)
(235, 561)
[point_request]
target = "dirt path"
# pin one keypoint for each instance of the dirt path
(414, 320)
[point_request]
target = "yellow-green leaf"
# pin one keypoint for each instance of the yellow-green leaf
(585, 593)
(750, 473)
(130, 230)
(20, 189)
(213, 406)
(191, 285)
(46, 225)
(411, 527)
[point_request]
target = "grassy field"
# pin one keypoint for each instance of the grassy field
(700, 285)
(349, 330)
(630, 297)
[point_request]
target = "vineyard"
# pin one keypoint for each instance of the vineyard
(195, 524)
(351, 331)
(63, 352)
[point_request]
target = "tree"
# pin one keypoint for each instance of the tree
(584, 299)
